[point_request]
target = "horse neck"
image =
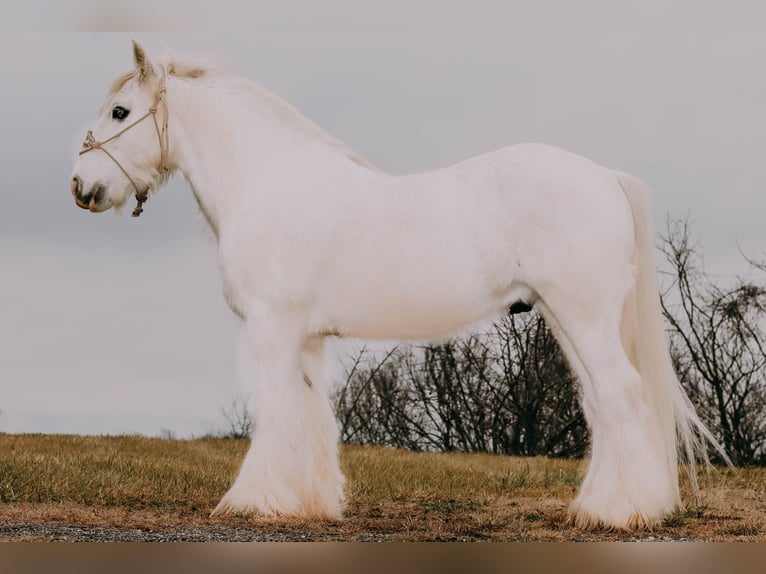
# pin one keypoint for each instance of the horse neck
(232, 138)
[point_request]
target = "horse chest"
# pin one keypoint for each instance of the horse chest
(259, 273)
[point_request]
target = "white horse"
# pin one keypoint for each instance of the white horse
(313, 241)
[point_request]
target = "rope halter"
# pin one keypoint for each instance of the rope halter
(91, 143)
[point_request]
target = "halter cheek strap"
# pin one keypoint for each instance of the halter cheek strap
(91, 143)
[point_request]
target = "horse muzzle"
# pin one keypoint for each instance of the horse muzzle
(94, 201)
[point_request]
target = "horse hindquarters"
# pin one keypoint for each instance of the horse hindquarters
(610, 328)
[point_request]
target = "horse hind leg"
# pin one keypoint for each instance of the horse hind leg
(629, 483)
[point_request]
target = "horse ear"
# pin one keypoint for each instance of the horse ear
(142, 61)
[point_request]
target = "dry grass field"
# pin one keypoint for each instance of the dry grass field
(160, 488)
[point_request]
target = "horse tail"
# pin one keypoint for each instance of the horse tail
(682, 431)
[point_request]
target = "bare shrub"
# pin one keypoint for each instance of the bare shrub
(236, 419)
(717, 344)
(506, 390)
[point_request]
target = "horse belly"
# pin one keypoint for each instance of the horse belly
(399, 316)
(417, 306)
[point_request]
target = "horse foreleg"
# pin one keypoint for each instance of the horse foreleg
(291, 467)
(323, 495)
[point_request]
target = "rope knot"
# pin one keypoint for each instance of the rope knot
(89, 143)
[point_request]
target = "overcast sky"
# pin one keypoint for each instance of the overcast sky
(111, 324)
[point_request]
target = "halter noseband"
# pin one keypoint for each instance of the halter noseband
(91, 143)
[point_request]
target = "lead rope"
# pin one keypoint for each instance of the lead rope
(90, 143)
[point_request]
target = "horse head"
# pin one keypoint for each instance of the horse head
(126, 152)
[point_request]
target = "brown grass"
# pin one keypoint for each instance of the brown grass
(154, 484)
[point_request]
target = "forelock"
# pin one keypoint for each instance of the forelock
(118, 85)
(120, 82)
(180, 68)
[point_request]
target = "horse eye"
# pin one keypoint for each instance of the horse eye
(119, 113)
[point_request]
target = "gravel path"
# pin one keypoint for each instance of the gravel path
(67, 533)
(63, 533)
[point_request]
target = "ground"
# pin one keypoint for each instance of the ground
(56, 487)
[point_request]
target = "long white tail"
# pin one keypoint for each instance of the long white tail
(682, 430)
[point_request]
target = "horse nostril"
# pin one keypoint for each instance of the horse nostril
(99, 193)
(80, 199)
(76, 186)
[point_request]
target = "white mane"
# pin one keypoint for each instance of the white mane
(193, 67)
(296, 120)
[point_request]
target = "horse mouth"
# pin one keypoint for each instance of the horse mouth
(94, 207)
